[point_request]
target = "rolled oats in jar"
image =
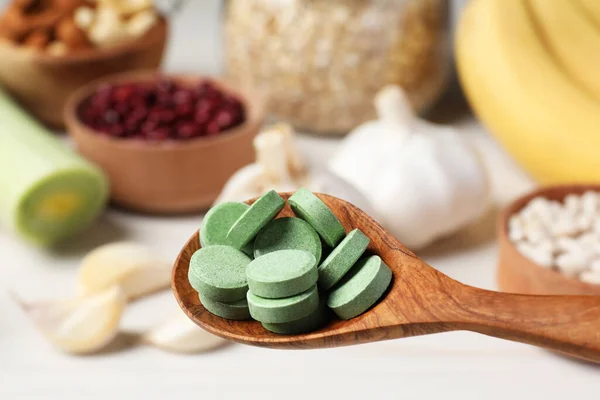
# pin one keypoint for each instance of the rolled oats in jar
(320, 62)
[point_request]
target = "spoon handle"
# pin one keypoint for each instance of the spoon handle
(567, 324)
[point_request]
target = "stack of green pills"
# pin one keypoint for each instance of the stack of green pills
(252, 265)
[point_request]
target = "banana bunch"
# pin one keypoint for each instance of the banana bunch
(531, 71)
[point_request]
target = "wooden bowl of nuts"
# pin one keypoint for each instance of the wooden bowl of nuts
(550, 242)
(167, 143)
(49, 48)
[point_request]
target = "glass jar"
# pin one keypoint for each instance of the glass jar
(320, 62)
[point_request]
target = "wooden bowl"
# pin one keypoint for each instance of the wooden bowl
(42, 83)
(172, 176)
(518, 274)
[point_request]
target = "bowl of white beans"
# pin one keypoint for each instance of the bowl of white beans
(550, 242)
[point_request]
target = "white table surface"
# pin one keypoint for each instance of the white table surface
(452, 365)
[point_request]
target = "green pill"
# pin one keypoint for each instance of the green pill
(237, 310)
(254, 219)
(219, 272)
(311, 209)
(276, 311)
(315, 320)
(342, 258)
(287, 233)
(218, 221)
(360, 288)
(282, 273)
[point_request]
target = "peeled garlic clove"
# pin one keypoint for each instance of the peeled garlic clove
(180, 335)
(81, 325)
(136, 269)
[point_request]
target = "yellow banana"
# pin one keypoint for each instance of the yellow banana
(572, 38)
(591, 8)
(548, 124)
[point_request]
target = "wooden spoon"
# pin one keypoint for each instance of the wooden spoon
(420, 301)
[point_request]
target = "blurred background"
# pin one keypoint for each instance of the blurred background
(100, 188)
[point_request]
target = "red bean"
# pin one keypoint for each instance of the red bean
(161, 111)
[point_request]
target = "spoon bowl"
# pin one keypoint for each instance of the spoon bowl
(419, 301)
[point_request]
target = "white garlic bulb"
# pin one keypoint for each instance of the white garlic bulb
(423, 180)
(279, 166)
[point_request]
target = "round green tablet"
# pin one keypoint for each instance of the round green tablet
(219, 272)
(276, 311)
(342, 258)
(360, 288)
(311, 209)
(217, 222)
(287, 233)
(254, 219)
(311, 322)
(237, 310)
(282, 273)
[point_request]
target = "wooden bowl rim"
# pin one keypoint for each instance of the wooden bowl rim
(519, 203)
(253, 104)
(154, 36)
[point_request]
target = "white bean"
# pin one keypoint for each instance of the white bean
(592, 277)
(567, 244)
(572, 263)
(572, 203)
(595, 265)
(590, 202)
(515, 229)
(561, 234)
(537, 254)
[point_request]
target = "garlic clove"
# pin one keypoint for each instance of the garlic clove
(136, 269)
(180, 335)
(82, 325)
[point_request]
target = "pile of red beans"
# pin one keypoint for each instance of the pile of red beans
(161, 110)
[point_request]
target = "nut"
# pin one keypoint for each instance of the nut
(25, 4)
(12, 24)
(321, 63)
(69, 5)
(84, 17)
(37, 40)
(70, 34)
(108, 29)
(141, 23)
(127, 8)
(57, 49)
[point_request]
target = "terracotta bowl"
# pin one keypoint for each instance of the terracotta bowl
(168, 177)
(42, 83)
(518, 274)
